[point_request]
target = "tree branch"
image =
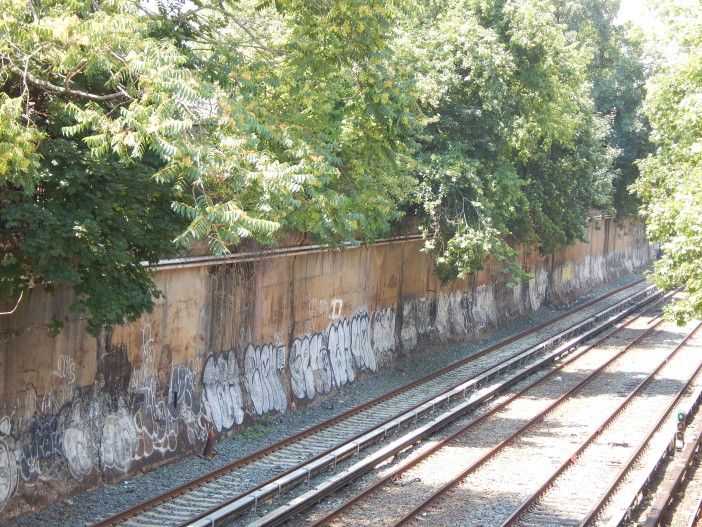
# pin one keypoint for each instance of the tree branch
(72, 74)
(46, 85)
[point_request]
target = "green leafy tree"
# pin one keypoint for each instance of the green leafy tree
(328, 94)
(128, 132)
(514, 151)
(671, 180)
(618, 70)
(125, 130)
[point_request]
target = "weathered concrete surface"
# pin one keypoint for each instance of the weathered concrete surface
(231, 343)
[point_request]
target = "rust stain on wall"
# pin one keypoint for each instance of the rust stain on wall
(231, 343)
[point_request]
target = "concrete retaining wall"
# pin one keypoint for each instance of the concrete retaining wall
(231, 343)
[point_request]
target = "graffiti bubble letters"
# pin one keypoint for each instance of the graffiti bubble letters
(361, 342)
(9, 476)
(77, 452)
(187, 404)
(119, 441)
(310, 373)
(261, 366)
(339, 346)
(220, 381)
(383, 334)
(322, 361)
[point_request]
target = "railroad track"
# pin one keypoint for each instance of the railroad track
(224, 494)
(601, 462)
(668, 491)
(370, 506)
(684, 476)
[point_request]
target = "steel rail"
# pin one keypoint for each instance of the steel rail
(635, 456)
(665, 496)
(198, 482)
(302, 472)
(298, 504)
(517, 514)
(696, 512)
(413, 461)
(663, 447)
(502, 444)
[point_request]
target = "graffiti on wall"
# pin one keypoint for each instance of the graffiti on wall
(78, 452)
(66, 369)
(221, 384)
(322, 361)
(37, 439)
(152, 406)
(165, 408)
(262, 365)
(44, 439)
(186, 405)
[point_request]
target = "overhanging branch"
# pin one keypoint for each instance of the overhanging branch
(46, 85)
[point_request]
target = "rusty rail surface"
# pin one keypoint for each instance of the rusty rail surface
(516, 515)
(195, 483)
(413, 461)
(636, 455)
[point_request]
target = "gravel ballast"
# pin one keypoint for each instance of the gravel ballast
(86, 507)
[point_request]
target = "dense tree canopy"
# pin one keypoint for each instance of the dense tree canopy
(618, 73)
(671, 181)
(128, 131)
(515, 149)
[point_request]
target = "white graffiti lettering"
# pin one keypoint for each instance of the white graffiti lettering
(261, 366)
(220, 381)
(119, 441)
(77, 452)
(66, 369)
(9, 476)
(322, 361)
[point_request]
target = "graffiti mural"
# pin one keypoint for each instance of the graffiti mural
(310, 372)
(164, 408)
(330, 359)
(9, 474)
(77, 451)
(222, 391)
(61, 431)
(262, 365)
(118, 442)
(186, 404)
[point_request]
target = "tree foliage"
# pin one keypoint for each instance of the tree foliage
(245, 116)
(129, 131)
(515, 151)
(618, 70)
(671, 181)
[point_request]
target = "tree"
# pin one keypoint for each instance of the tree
(221, 120)
(618, 71)
(515, 150)
(69, 215)
(670, 185)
